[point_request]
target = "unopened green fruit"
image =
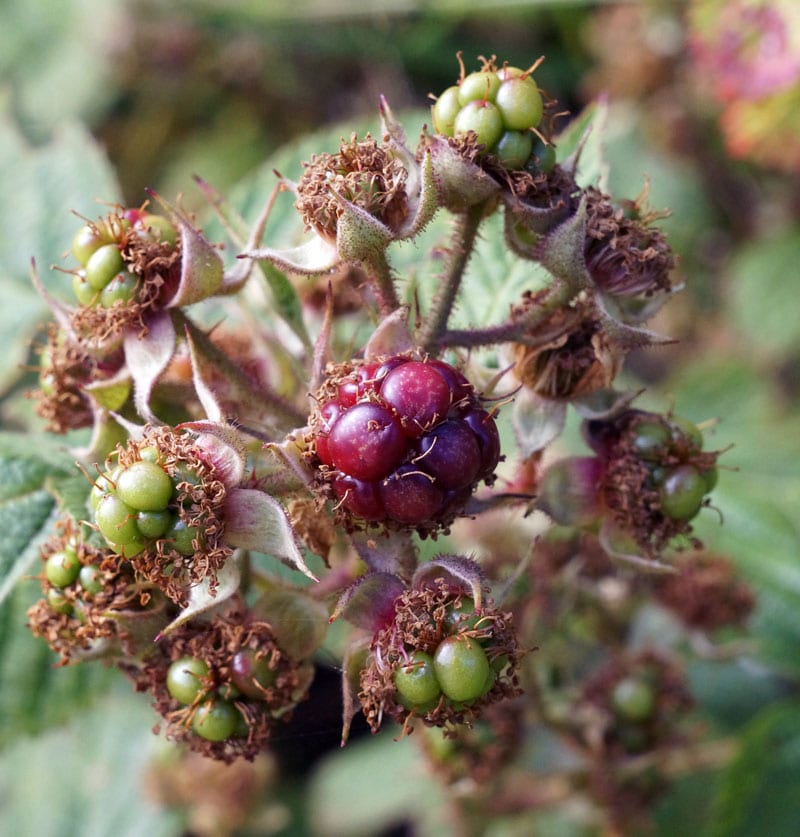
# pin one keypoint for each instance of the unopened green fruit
(103, 265)
(158, 228)
(116, 520)
(58, 601)
(444, 112)
(86, 241)
(154, 524)
(182, 537)
(650, 439)
(185, 679)
(216, 720)
(633, 699)
(478, 86)
(514, 148)
(122, 288)
(416, 681)
(91, 579)
(85, 294)
(62, 568)
(484, 119)
(145, 486)
(520, 103)
(462, 668)
(682, 493)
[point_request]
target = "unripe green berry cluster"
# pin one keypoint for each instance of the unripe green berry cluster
(457, 669)
(63, 569)
(440, 659)
(137, 504)
(215, 716)
(104, 277)
(671, 450)
(501, 107)
(222, 684)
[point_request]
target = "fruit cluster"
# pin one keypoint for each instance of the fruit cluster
(90, 608)
(641, 698)
(457, 668)
(221, 685)
(215, 717)
(62, 569)
(402, 442)
(137, 504)
(105, 276)
(655, 473)
(670, 451)
(667, 448)
(440, 660)
(501, 106)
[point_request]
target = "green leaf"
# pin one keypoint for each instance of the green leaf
(57, 58)
(26, 506)
(86, 779)
(35, 692)
(49, 184)
(757, 495)
(765, 289)
(758, 793)
(373, 784)
(586, 132)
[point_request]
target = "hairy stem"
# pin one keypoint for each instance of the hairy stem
(461, 247)
(520, 329)
(379, 273)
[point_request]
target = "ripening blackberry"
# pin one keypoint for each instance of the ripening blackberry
(401, 441)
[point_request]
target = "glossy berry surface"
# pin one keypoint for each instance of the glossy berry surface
(62, 568)
(402, 441)
(682, 493)
(416, 681)
(138, 504)
(367, 441)
(145, 486)
(462, 668)
(103, 251)
(252, 675)
(216, 720)
(185, 679)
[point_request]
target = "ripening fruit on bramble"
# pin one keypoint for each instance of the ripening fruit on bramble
(216, 720)
(445, 110)
(137, 504)
(62, 568)
(520, 103)
(185, 679)
(122, 288)
(478, 85)
(502, 108)
(682, 492)
(145, 486)
(58, 601)
(416, 681)
(402, 442)
(462, 668)
(251, 674)
(103, 250)
(633, 699)
(482, 117)
(90, 579)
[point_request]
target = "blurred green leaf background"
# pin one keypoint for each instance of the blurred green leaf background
(100, 101)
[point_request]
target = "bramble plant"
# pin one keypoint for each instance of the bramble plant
(400, 454)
